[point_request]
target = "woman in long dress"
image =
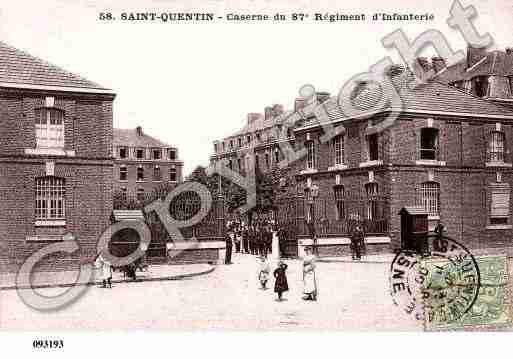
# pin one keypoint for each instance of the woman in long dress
(106, 270)
(309, 279)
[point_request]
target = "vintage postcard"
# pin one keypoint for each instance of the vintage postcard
(256, 165)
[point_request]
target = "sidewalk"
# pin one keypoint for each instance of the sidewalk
(371, 258)
(68, 278)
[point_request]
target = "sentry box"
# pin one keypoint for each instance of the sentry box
(414, 229)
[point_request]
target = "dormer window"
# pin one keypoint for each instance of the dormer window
(428, 143)
(123, 152)
(156, 154)
(49, 128)
(481, 86)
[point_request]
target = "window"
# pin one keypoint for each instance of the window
(156, 174)
(338, 147)
(224, 147)
(239, 164)
(231, 144)
(499, 207)
(123, 174)
(276, 156)
(266, 157)
(257, 162)
(289, 133)
(172, 174)
(140, 174)
(49, 128)
(215, 150)
(50, 197)
(122, 152)
(372, 141)
(230, 164)
(139, 153)
(171, 153)
(496, 147)
(339, 202)
(140, 194)
(248, 140)
(372, 204)
(481, 86)
(123, 193)
(428, 143)
(310, 155)
(156, 154)
(259, 137)
(429, 198)
(239, 142)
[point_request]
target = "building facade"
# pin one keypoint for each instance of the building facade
(446, 151)
(56, 164)
(143, 163)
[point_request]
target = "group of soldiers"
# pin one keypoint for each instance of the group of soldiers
(252, 239)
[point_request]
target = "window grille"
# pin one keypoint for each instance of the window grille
(496, 147)
(429, 198)
(372, 204)
(339, 201)
(50, 198)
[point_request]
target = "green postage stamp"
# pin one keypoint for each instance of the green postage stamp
(448, 300)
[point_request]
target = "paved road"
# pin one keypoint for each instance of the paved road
(353, 296)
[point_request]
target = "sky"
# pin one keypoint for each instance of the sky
(189, 84)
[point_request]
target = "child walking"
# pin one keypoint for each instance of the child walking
(263, 272)
(281, 285)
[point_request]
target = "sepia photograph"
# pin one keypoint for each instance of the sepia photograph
(255, 167)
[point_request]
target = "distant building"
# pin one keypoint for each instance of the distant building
(55, 161)
(142, 163)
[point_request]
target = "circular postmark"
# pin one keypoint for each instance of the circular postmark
(437, 286)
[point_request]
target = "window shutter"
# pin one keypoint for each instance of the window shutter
(500, 202)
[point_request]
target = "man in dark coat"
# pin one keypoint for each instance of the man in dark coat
(228, 257)
(357, 241)
(281, 284)
(281, 241)
(269, 239)
(245, 240)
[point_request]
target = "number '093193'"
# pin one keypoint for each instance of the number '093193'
(48, 344)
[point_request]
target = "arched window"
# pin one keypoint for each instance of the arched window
(429, 198)
(496, 146)
(50, 198)
(49, 128)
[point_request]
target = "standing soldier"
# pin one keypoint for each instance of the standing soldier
(229, 246)
(245, 239)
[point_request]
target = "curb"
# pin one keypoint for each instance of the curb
(154, 279)
(344, 260)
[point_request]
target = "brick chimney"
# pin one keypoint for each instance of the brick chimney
(253, 116)
(299, 103)
(139, 131)
(438, 63)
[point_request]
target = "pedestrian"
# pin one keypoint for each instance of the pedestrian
(245, 239)
(357, 239)
(282, 241)
(280, 285)
(269, 239)
(264, 269)
(309, 279)
(106, 270)
(237, 240)
(228, 257)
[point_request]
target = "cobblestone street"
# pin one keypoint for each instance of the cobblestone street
(352, 296)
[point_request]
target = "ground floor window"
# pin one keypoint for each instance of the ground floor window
(499, 206)
(339, 202)
(50, 198)
(429, 198)
(371, 190)
(140, 194)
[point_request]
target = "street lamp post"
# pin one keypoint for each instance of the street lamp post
(311, 194)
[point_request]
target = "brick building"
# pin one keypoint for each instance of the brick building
(55, 160)
(447, 151)
(142, 163)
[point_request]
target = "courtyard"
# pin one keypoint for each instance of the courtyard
(352, 296)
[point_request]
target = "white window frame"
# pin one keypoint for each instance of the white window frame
(429, 198)
(338, 149)
(124, 170)
(172, 171)
(48, 134)
(310, 155)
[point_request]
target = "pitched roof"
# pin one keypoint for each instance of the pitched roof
(433, 96)
(131, 138)
(20, 68)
